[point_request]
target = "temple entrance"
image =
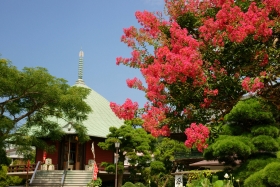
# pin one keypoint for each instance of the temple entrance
(72, 153)
(72, 156)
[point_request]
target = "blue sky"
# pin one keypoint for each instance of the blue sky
(51, 33)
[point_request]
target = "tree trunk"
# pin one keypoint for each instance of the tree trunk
(166, 181)
(120, 180)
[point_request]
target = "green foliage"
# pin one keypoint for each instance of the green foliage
(232, 130)
(268, 130)
(278, 154)
(163, 165)
(218, 183)
(4, 160)
(94, 183)
(39, 99)
(8, 180)
(128, 184)
(256, 179)
(139, 184)
(265, 143)
(253, 165)
(251, 112)
(206, 179)
(173, 146)
(135, 122)
(278, 140)
(28, 153)
(269, 176)
(17, 162)
(190, 21)
(111, 168)
(135, 144)
(251, 136)
(166, 148)
(159, 170)
(157, 167)
(238, 147)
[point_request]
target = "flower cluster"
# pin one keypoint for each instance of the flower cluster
(252, 85)
(272, 5)
(128, 37)
(197, 136)
(127, 111)
(149, 22)
(232, 23)
(134, 61)
(261, 57)
(206, 103)
(152, 121)
(210, 92)
(180, 7)
(135, 83)
(182, 62)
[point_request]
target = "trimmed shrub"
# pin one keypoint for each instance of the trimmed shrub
(128, 184)
(269, 176)
(265, 143)
(271, 172)
(268, 130)
(255, 180)
(139, 184)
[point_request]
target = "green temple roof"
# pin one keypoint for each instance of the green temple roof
(101, 118)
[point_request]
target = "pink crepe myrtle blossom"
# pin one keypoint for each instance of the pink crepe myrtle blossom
(127, 111)
(252, 85)
(197, 136)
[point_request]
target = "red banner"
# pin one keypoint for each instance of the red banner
(95, 171)
(44, 156)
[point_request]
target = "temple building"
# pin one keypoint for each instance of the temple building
(72, 155)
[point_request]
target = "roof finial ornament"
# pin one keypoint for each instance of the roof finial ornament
(81, 63)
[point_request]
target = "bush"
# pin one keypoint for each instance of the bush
(201, 178)
(268, 130)
(157, 167)
(93, 183)
(8, 180)
(128, 184)
(139, 184)
(251, 166)
(269, 176)
(254, 180)
(271, 172)
(265, 143)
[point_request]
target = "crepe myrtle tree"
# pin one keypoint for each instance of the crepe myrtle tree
(199, 59)
(35, 98)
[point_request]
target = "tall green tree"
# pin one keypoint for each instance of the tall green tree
(163, 164)
(136, 145)
(250, 136)
(36, 99)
